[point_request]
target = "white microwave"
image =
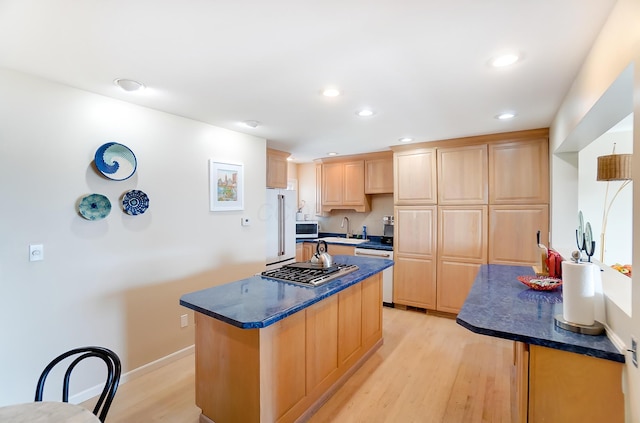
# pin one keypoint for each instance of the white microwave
(307, 229)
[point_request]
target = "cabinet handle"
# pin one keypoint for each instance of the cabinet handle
(372, 255)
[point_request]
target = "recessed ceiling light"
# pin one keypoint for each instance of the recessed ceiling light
(332, 153)
(129, 84)
(250, 123)
(290, 158)
(504, 60)
(405, 139)
(331, 92)
(365, 113)
(506, 116)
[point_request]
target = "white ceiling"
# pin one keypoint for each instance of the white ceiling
(420, 64)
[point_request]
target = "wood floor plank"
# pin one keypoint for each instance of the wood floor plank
(429, 370)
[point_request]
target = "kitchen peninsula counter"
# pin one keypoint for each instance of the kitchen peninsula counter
(559, 376)
(271, 351)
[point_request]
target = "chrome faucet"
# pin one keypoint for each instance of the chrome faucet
(348, 226)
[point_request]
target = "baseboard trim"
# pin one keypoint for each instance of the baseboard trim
(89, 393)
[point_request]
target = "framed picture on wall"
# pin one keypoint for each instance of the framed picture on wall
(226, 186)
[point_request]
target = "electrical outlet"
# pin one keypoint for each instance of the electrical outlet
(184, 320)
(634, 352)
(36, 252)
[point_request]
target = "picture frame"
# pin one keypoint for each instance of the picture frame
(226, 186)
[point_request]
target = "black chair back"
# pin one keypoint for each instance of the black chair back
(112, 361)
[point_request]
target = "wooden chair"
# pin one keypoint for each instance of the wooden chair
(112, 361)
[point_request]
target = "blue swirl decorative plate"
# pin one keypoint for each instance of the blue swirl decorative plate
(115, 161)
(135, 202)
(94, 207)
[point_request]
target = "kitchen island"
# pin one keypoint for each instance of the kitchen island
(560, 376)
(271, 351)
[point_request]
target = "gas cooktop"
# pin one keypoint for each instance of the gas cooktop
(309, 274)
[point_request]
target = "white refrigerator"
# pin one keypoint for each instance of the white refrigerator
(280, 217)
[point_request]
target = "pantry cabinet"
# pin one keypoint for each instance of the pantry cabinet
(343, 186)
(519, 172)
(276, 168)
(463, 175)
(414, 271)
(513, 232)
(415, 177)
(462, 249)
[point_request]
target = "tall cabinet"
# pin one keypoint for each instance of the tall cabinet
(463, 203)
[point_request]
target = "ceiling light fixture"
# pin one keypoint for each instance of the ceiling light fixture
(331, 92)
(332, 153)
(129, 85)
(504, 60)
(506, 116)
(405, 139)
(365, 113)
(250, 123)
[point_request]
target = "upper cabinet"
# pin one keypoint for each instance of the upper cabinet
(415, 177)
(276, 168)
(378, 176)
(519, 172)
(463, 175)
(343, 186)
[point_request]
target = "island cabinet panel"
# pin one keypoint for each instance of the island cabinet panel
(519, 172)
(512, 234)
(463, 175)
(349, 324)
(415, 177)
(520, 380)
(322, 344)
(570, 387)
(371, 313)
(414, 271)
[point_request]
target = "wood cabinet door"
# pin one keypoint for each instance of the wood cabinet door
(308, 250)
(318, 190)
(462, 233)
(512, 233)
(371, 310)
(353, 189)
(378, 178)
(332, 183)
(415, 231)
(519, 172)
(337, 249)
(276, 168)
(322, 343)
(415, 177)
(463, 176)
(455, 280)
(520, 401)
(414, 281)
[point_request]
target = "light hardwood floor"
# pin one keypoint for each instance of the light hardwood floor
(429, 369)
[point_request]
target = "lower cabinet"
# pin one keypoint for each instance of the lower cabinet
(279, 373)
(551, 385)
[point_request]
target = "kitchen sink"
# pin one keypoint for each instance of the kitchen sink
(340, 240)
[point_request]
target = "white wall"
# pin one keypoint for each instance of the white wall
(114, 282)
(616, 49)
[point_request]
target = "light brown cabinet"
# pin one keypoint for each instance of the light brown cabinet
(462, 249)
(343, 186)
(559, 386)
(415, 177)
(318, 190)
(276, 168)
(378, 177)
(463, 176)
(519, 172)
(414, 271)
(512, 233)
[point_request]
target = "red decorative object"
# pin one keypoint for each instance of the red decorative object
(540, 283)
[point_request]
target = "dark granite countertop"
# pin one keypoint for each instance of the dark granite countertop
(257, 302)
(373, 242)
(499, 305)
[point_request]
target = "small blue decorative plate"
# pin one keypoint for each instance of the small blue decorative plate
(115, 161)
(94, 207)
(135, 202)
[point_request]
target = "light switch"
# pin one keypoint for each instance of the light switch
(36, 252)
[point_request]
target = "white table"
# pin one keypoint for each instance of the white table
(46, 412)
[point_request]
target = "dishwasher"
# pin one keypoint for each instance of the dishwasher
(387, 274)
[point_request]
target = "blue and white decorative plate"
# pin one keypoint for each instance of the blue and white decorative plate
(94, 207)
(115, 161)
(135, 202)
